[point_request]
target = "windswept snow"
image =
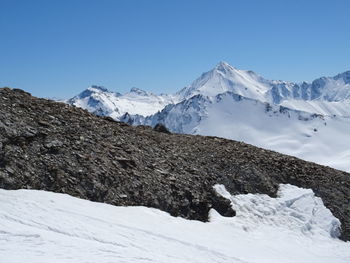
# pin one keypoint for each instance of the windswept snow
(38, 226)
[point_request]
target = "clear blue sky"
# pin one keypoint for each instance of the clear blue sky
(56, 48)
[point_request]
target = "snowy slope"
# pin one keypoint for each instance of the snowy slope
(326, 108)
(101, 101)
(38, 226)
(317, 138)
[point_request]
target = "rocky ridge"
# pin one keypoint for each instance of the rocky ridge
(56, 147)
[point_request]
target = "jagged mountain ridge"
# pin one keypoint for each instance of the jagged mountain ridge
(326, 95)
(225, 78)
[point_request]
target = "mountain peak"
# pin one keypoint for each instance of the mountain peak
(94, 89)
(345, 76)
(138, 91)
(98, 88)
(223, 63)
(224, 77)
(223, 66)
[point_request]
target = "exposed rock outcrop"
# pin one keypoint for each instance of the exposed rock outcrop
(56, 147)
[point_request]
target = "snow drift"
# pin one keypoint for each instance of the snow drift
(38, 226)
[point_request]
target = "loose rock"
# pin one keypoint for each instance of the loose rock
(56, 147)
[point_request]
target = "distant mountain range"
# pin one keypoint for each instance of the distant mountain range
(307, 120)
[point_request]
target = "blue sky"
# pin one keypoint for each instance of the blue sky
(58, 48)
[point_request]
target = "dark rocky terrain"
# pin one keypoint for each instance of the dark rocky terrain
(53, 146)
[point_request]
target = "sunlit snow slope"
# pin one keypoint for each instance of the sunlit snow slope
(320, 139)
(38, 226)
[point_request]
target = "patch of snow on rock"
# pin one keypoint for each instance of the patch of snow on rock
(296, 209)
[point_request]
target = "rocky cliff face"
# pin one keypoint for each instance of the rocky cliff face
(53, 146)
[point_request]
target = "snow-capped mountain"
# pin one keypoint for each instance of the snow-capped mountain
(225, 78)
(307, 120)
(103, 102)
(326, 95)
(331, 94)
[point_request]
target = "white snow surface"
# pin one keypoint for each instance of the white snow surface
(326, 108)
(320, 139)
(38, 226)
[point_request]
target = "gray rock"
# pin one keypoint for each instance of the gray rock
(53, 144)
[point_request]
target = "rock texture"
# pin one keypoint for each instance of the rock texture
(56, 147)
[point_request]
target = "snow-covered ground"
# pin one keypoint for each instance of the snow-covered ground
(39, 226)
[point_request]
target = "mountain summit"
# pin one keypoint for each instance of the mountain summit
(225, 78)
